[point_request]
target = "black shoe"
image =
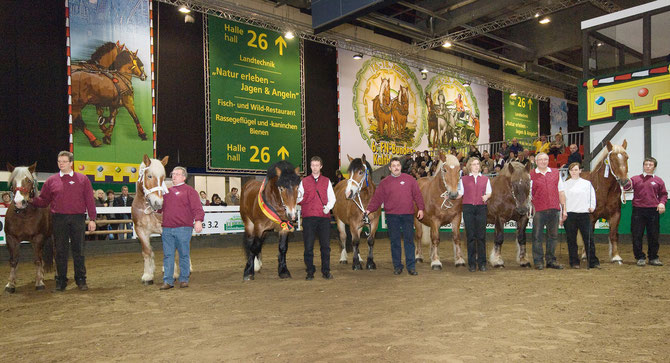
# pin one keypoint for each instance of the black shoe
(539, 267)
(82, 286)
(60, 286)
(483, 268)
(597, 266)
(327, 276)
(412, 272)
(309, 277)
(397, 271)
(472, 268)
(555, 266)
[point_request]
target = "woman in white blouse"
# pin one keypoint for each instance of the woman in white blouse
(580, 198)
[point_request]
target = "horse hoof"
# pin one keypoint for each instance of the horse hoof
(107, 140)
(285, 275)
(248, 277)
(618, 262)
(503, 266)
(142, 136)
(356, 267)
(460, 264)
(147, 283)
(96, 143)
(525, 264)
(40, 288)
(419, 260)
(343, 262)
(371, 266)
(10, 290)
(436, 267)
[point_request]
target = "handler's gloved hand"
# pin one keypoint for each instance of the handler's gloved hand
(326, 210)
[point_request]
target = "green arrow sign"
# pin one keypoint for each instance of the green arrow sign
(255, 97)
(521, 117)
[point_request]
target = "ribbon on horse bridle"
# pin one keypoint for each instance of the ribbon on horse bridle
(159, 188)
(270, 212)
(359, 202)
(609, 169)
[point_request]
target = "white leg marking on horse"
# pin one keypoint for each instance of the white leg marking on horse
(343, 255)
(435, 263)
(257, 263)
(148, 268)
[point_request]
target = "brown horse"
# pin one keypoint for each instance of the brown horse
(440, 196)
(510, 200)
(352, 196)
(400, 110)
(266, 206)
(111, 89)
(381, 108)
(148, 201)
(433, 132)
(608, 178)
(25, 222)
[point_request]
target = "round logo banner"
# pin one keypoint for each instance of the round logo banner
(453, 114)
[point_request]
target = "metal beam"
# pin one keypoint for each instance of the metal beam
(470, 12)
(551, 74)
(610, 135)
(564, 63)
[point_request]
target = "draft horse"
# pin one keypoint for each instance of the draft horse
(510, 200)
(440, 196)
(265, 206)
(25, 222)
(400, 110)
(381, 108)
(352, 197)
(150, 188)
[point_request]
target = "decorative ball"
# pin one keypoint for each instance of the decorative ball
(117, 169)
(643, 92)
(600, 100)
(100, 168)
(133, 170)
(81, 167)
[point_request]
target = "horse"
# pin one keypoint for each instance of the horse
(400, 110)
(510, 200)
(352, 196)
(446, 121)
(608, 178)
(433, 130)
(144, 210)
(111, 89)
(266, 206)
(25, 222)
(440, 196)
(381, 107)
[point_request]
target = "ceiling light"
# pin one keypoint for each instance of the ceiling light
(537, 15)
(466, 84)
(184, 9)
(513, 94)
(545, 20)
(358, 56)
(600, 44)
(423, 70)
(289, 35)
(447, 44)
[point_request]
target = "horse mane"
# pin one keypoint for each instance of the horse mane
(451, 160)
(358, 164)
(123, 58)
(20, 172)
(603, 153)
(288, 178)
(102, 50)
(515, 164)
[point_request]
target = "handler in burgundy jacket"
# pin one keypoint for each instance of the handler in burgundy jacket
(548, 195)
(649, 198)
(181, 208)
(475, 189)
(316, 198)
(70, 195)
(399, 192)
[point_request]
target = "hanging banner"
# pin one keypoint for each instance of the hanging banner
(110, 79)
(558, 112)
(255, 98)
(387, 109)
(520, 118)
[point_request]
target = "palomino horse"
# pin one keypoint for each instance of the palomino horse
(510, 200)
(440, 196)
(381, 108)
(25, 222)
(433, 131)
(266, 206)
(608, 178)
(111, 89)
(352, 197)
(400, 110)
(150, 187)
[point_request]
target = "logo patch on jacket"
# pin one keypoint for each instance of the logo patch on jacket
(71, 182)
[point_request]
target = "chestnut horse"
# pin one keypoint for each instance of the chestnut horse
(381, 108)
(352, 197)
(25, 222)
(400, 110)
(266, 206)
(440, 196)
(150, 187)
(510, 200)
(433, 131)
(608, 177)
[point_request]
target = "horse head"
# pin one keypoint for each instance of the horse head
(385, 91)
(151, 181)
(617, 159)
(519, 184)
(105, 54)
(282, 189)
(128, 62)
(359, 172)
(448, 171)
(23, 183)
(404, 98)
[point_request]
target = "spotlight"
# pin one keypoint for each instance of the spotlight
(545, 20)
(358, 56)
(447, 44)
(289, 35)
(184, 9)
(423, 70)
(513, 94)
(599, 44)
(537, 15)
(188, 18)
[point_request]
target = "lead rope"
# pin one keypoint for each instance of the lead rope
(359, 202)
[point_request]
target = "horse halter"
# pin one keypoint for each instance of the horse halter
(608, 170)
(445, 194)
(516, 201)
(359, 187)
(161, 189)
(31, 192)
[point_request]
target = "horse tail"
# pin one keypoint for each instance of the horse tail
(48, 253)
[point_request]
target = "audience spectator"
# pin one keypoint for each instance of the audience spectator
(541, 145)
(487, 161)
(516, 148)
(216, 200)
(499, 160)
(110, 202)
(557, 146)
(100, 202)
(512, 157)
(504, 150)
(474, 152)
(203, 198)
(575, 156)
(124, 200)
(233, 198)
(6, 200)
(522, 158)
(338, 177)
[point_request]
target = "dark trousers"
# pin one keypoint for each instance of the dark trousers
(546, 218)
(645, 218)
(401, 225)
(69, 232)
(312, 227)
(475, 231)
(581, 222)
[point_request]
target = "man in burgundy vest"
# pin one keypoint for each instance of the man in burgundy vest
(649, 198)
(548, 195)
(316, 198)
(71, 196)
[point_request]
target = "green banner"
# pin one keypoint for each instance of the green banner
(521, 117)
(255, 97)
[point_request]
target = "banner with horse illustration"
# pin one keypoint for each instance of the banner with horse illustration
(110, 86)
(387, 110)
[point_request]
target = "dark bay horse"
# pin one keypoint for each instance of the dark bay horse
(25, 222)
(433, 131)
(148, 200)
(400, 110)
(111, 89)
(352, 197)
(440, 196)
(510, 200)
(269, 205)
(381, 108)
(608, 177)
